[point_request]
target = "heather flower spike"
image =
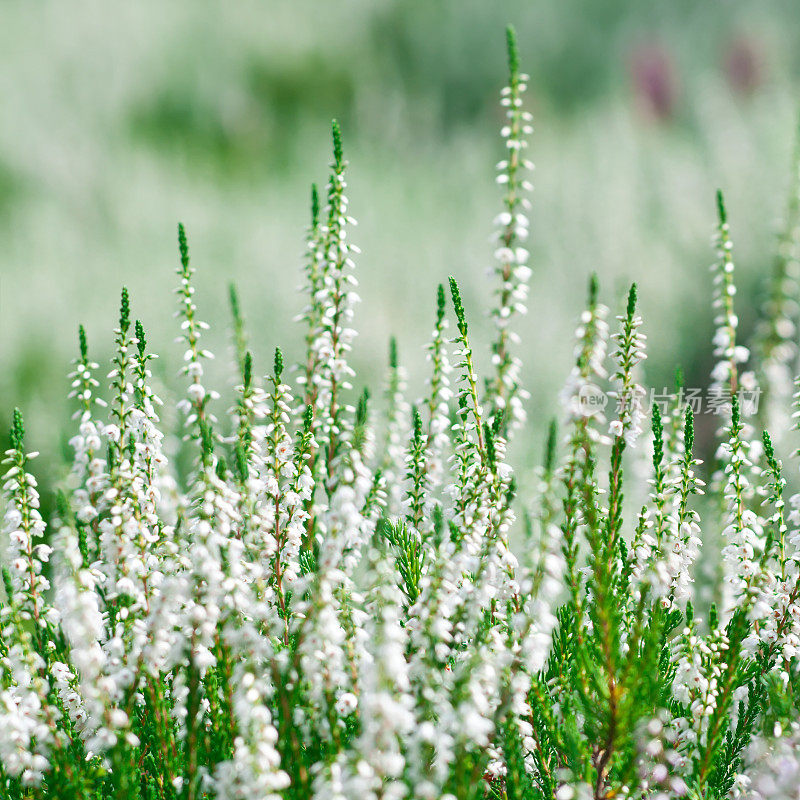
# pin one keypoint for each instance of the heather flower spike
(503, 392)
(729, 355)
(775, 337)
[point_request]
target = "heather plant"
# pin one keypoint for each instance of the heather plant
(339, 601)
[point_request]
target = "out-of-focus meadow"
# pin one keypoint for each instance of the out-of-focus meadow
(119, 119)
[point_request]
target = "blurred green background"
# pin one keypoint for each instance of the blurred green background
(119, 119)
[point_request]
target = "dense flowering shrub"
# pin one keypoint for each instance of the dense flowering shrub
(332, 607)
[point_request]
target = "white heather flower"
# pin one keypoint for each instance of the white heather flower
(346, 704)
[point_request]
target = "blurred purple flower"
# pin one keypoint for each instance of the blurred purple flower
(743, 65)
(654, 79)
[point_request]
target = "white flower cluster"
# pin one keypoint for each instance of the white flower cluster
(582, 395)
(773, 767)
